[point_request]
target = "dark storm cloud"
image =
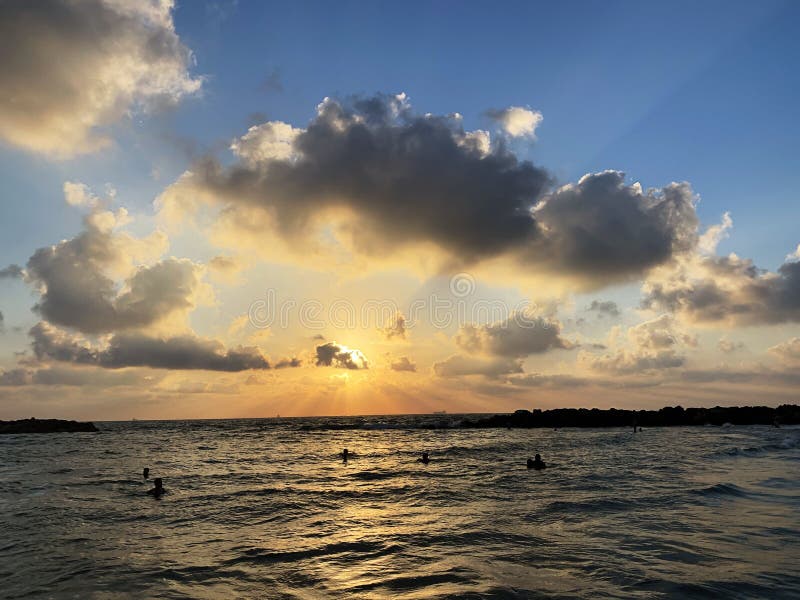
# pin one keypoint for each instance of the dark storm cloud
(336, 355)
(517, 336)
(729, 290)
(75, 291)
(403, 178)
(72, 66)
(184, 352)
(407, 178)
(601, 228)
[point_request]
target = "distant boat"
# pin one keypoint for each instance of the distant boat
(440, 412)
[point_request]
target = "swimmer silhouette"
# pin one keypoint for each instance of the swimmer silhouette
(424, 460)
(158, 490)
(146, 473)
(536, 463)
(345, 454)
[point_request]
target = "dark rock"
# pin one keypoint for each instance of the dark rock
(45, 426)
(786, 414)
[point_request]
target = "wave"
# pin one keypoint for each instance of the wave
(721, 490)
(365, 550)
(789, 442)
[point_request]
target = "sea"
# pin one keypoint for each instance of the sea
(266, 508)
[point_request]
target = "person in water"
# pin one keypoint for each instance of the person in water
(424, 460)
(536, 463)
(146, 473)
(158, 490)
(345, 454)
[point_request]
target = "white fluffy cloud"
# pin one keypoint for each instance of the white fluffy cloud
(71, 68)
(788, 352)
(273, 140)
(652, 345)
(517, 121)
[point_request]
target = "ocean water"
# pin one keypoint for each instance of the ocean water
(266, 509)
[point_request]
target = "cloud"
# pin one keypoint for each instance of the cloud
(604, 307)
(726, 290)
(517, 121)
(659, 333)
(604, 230)
(518, 336)
(224, 264)
(400, 178)
(71, 68)
(273, 140)
(80, 194)
(397, 329)
(403, 364)
(712, 236)
(459, 365)
(74, 377)
(12, 272)
(554, 381)
(754, 376)
(374, 177)
(289, 363)
(184, 352)
(654, 345)
(16, 377)
(788, 352)
(76, 289)
(727, 346)
(337, 355)
(632, 362)
(226, 269)
(273, 82)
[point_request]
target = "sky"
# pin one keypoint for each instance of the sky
(246, 209)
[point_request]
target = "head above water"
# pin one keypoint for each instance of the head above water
(158, 483)
(146, 473)
(538, 458)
